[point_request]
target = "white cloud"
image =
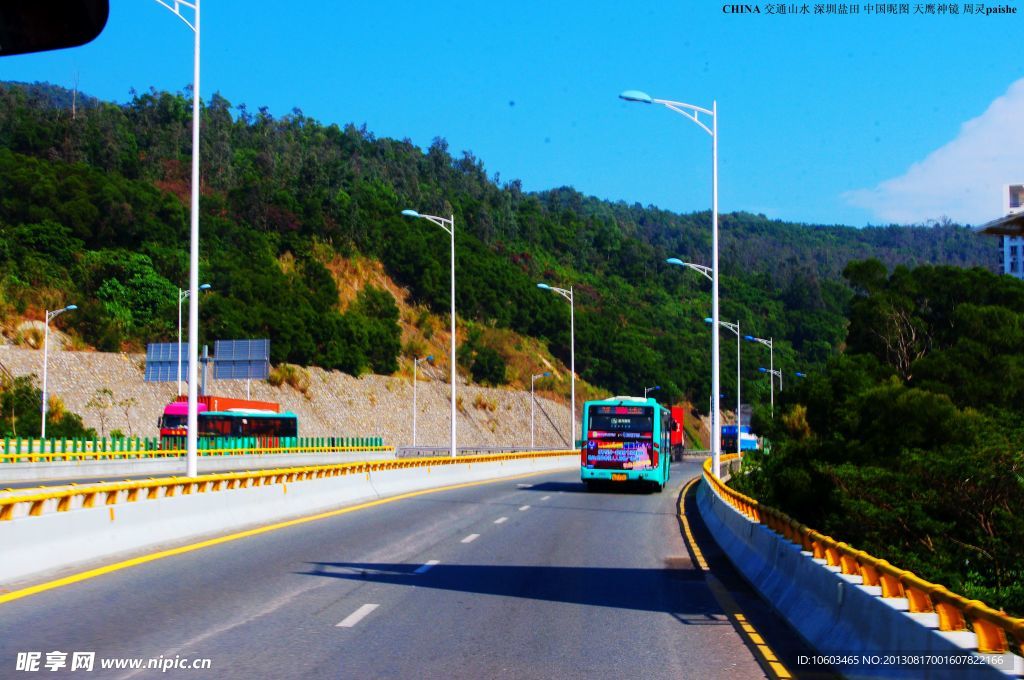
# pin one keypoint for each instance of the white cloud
(964, 178)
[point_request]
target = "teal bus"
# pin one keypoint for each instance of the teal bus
(626, 439)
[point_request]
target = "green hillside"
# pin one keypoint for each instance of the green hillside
(93, 209)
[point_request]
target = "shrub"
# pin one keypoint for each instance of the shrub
(489, 367)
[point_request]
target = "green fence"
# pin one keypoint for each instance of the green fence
(206, 443)
(15, 446)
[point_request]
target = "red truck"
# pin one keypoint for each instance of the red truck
(677, 437)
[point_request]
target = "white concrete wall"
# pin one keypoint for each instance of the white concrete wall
(115, 470)
(833, 612)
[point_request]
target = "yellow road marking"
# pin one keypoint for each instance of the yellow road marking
(151, 557)
(701, 562)
(768, 660)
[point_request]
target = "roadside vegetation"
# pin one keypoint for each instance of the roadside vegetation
(910, 444)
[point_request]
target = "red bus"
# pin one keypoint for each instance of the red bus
(225, 418)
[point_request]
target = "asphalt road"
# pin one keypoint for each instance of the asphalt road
(526, 578)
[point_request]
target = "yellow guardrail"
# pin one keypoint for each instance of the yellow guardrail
(176, 453)
(993, 628)
(37, 502)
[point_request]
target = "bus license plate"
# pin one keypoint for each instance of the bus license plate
(620, 477)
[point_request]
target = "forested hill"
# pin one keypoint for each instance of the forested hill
(754, 243)
(93, 207)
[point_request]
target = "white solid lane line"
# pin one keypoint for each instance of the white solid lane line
(426, 567)
(357, 616)
(525, 507)
(545, 498)
(470, 538)
(500, 520)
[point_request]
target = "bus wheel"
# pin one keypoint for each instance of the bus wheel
(588, 485)
(658, 487)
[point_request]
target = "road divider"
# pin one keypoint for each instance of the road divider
(44, 530)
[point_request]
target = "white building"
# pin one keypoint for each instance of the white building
(1013, 246)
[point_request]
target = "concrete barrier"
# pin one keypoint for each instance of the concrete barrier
(118, 469)
(59, 540)
(835, 614)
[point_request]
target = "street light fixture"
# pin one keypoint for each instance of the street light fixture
(416, 362)
(800, 375)
(770, 344)
(694, 114)
(175, 6)
(448, 224)
(706, 271)
(533, 403)
(775, 374)
(651, 389)
(46, 359)
(182, 294)
(568, 295)
(735, 328)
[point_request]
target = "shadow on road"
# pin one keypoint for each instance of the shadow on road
(681, 592)
(599, 487)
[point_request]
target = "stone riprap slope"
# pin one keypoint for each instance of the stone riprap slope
(335, 404)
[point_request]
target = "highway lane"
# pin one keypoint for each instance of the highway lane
(528, 578)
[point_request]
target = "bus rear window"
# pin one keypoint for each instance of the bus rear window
(622, 419)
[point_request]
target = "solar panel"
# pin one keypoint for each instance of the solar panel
(241, 359)
(162, 362)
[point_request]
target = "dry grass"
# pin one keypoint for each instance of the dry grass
(29, 337)
(290, 374)
(482, 403)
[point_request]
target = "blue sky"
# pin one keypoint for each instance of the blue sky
(824, 119)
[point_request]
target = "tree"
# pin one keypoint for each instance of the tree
(101, 402)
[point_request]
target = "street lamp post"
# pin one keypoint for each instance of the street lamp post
(46, 360)
(694, 114)
(448, 224)
(415, 362)
(735, 328)
(651, 389)
(175, 6)
(533, 404)
(568, 295)
(770, 344)
(182, 294)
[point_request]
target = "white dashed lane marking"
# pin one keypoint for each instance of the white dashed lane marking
(357, 616)
(426, 567)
